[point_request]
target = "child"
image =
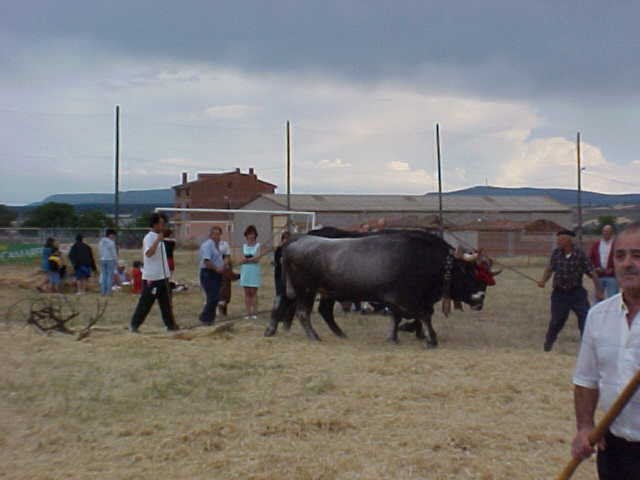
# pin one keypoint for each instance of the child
(120, 277)
(56, 269)
(136, 277)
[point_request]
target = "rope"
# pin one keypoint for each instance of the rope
(503, 265)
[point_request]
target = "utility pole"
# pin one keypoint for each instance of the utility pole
(440, 219)
(288, 176)
(116, 197)
(579, 189)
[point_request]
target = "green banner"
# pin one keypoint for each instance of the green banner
(12, 252)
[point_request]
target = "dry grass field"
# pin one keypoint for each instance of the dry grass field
(486, 404)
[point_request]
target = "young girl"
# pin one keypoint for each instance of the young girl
(250, 271)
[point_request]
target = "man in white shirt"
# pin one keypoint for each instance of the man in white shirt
(609, 357)
(155, 277)
(601, 256)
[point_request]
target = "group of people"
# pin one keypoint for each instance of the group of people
(112, 274)
(215, 274)
(610, 347)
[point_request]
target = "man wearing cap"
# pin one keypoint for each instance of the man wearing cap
(567, 265)
(609, 357)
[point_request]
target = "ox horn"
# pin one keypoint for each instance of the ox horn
(469, 257)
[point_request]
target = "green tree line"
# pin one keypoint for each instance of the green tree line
(64, 215)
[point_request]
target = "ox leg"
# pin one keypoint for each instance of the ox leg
(394, 323)
(283, 311)
(303, 312)
(432, 340)
(289, 312)
(326, 310)
(419, 331)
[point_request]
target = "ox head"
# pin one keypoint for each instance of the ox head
(469, 280)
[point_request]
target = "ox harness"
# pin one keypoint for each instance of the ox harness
(446, 285)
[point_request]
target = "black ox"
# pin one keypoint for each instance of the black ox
(407, 270)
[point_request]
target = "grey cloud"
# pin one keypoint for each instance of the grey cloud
(502, 47)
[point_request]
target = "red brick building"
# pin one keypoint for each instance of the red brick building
(214, 190)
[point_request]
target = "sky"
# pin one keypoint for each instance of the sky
(208, 86)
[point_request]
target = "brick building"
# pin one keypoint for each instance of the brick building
(214, 190)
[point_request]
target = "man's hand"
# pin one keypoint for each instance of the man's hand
(581, 447)
(541, 284)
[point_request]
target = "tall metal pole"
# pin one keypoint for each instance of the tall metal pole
(116, 197)
(579, 189)
(440, 219)
(288, 176)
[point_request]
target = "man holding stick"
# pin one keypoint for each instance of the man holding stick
(609, 357)
(155, 277)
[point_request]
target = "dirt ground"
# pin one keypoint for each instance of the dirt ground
(488, 403)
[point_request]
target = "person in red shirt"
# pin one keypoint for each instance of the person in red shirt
(136, 277)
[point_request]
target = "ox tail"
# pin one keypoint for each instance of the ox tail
(289, 291)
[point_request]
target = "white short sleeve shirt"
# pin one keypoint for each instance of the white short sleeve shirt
(156, 266)
(609, 357)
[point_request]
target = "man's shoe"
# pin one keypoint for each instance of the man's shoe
(548, 346)
(133, 329)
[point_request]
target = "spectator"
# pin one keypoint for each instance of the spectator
(47, 250)
(81, 257)
(250, 271)
(608, 359)
(56, 269)
(601, 256)
(567, 265)
(108, 261)
(211, 268)
(170, 246)
(136, 277)
(155, 276)
(121, 277)
(224, 293)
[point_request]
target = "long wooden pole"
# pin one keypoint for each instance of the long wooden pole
(579, 189)
(288, 176)
(440, 219)
(604, 424)
(116, 196)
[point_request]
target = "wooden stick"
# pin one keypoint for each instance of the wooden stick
(604, 424)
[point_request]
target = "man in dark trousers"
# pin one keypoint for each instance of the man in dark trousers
(211, 268)
(609, 357)
(81, 257)
(155, 277)
(567, 265)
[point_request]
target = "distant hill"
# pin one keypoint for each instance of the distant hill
(562, 195)
(159, 197)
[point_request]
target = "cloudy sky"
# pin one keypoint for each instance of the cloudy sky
(208, 86)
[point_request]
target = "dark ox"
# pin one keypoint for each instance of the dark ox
(408, 270)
